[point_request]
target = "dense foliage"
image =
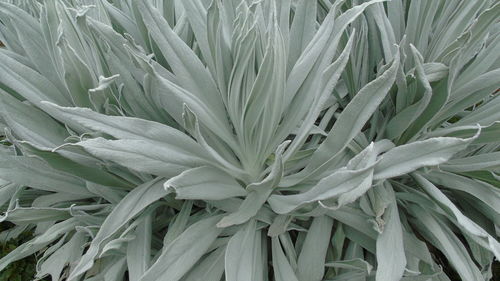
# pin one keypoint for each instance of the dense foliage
(287, 140)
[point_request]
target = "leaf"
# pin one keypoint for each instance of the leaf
(258, 193)
(283, 271)
(211, 268)
(77, 75)
(330, 78)
(68, 253)
(305, 77)
(35, 173)
(65, 160)
(342, 181)
(406, 158)
(446, 241)
(243, 259)
(401, 121)
(484, 115)
(38, 243)
(356, 219)
(122, 127)
(205, 183)
(197, 17)
(364, 159)
(172, 98)
(350, 122)
(440, 95)
(7, 190)
(279, 225)
(179, 224)
(139, 249)
(486, 161)
(482, 237)
(29, 32)
(302, 29)
(20, 215)
(182, 254)
(188, 69)
(224, 158)
(263, 107)
(143, 156)
(486, 193)
(355, 264)
(311, 261)
(28, 83)
(390, 249)
(130, 206)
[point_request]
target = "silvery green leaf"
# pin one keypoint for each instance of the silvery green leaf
(31, 124)
(356, 264)
(20, 215)
(211, 268)
(78, 77)
(39, 242)
(258, 193)
(115, 270)
(483, 238)
(391, 258)
(440, 95)
(182, 254)
(179, 223)
(484, 115)
(409, 157)
(330, 78)
(311, 261)
(143, 156)
(302, 29)
(205, 183)
(34, 172)
(356, 219)
(70, 252)
(471, 93)
(172, 98)
(76, 162)
(399, 123)
(197, 17)
(263, 107)
(138, 199)
(350, 122)
(119, 17)
(186, 65)
(446, 241)
(331, 27)
(283, 271)
(363, 159)
(484, 192)
(28, 82)
(123, 127)
(139, 249)
(7, 190)
(487, 161)
(31, 38)
(487, 135)
(243, 260)
(477, 30)
(279, 225)
(216, 150)
(305, 76)
(343, 180)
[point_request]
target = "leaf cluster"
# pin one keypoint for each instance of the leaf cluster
(286, 140)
